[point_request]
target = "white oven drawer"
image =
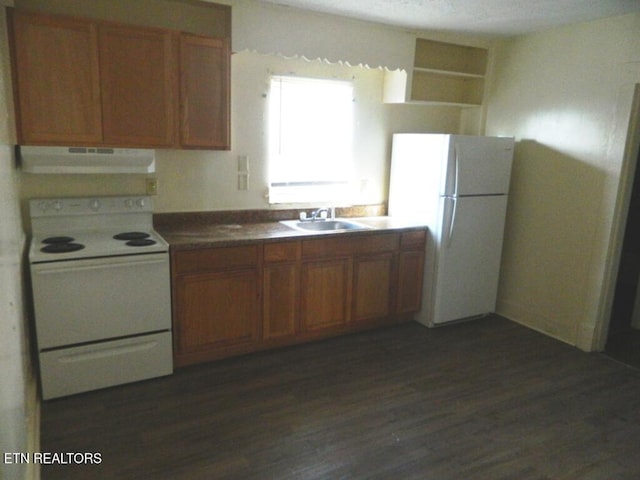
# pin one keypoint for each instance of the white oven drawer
(89, 367)
(80, 301)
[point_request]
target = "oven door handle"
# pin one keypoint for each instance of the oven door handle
(110, 351)
(95, 264)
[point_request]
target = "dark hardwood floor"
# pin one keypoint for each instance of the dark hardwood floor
(625, 346)
(486, 400)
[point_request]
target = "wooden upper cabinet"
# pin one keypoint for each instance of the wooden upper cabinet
(86, 82)
(137, 79)
(204, 92)
(57, 85)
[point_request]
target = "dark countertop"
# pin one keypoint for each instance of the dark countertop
(198, 235)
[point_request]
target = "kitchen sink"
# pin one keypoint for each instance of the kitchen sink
(324, 225)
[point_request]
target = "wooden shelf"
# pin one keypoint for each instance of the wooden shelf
(450, 57)
(447, 72)
(442, 74)
(446, 89)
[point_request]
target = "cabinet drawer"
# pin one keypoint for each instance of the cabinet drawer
(282, 251)
(350, 246)
(192, 261)
(88, 367)
(413, 240)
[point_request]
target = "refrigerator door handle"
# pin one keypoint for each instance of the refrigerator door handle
(451, 173)
(453, 196)
(457, 169)
(453, 221)
(450, 220)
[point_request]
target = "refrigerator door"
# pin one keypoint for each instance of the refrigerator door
(477, 165)
(465, 281)
(415, 176)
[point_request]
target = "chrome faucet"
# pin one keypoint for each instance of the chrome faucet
(317, 214)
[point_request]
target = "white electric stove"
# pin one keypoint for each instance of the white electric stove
(101, 293)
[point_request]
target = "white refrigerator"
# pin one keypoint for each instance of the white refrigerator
(458, 185)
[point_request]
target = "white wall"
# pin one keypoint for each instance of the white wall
(18, 404)
(565, 94)
(274, 29)
(16, 381)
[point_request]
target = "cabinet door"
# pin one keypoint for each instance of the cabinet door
(281, 288)
(204, 92)
(325, 293)
(410, 272)
(56, 79)
(280, 300)
(216, 310)
(138, 87)
(372, 285)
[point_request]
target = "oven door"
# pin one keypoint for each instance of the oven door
(79, 301)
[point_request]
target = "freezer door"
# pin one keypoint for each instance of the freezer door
(467, 267)
(478, 165)
(415, 176)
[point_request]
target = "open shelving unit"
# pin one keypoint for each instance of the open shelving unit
(442, 74)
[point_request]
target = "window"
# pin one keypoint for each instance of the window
(310, 140)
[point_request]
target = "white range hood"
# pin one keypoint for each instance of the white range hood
(86, 160)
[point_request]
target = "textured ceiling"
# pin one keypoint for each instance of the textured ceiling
(494, 17)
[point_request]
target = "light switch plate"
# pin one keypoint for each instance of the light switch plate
(152, 186)
(243, 163)
(243, 181)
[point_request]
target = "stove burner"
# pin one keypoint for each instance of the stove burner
(61, 247)
(140, 242)
(131, 236)
(53, 240)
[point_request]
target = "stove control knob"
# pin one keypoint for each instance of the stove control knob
(43, 206)
(57, 205)
(140, 202)
(128, 203)
(94, 205)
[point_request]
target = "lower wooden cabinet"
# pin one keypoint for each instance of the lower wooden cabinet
(220, 309)
(232, 300)
(325, 293)
(280, 300)
(348, 280)
(216, 302)
(410, 272)
(281, 285)
(372, 286)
